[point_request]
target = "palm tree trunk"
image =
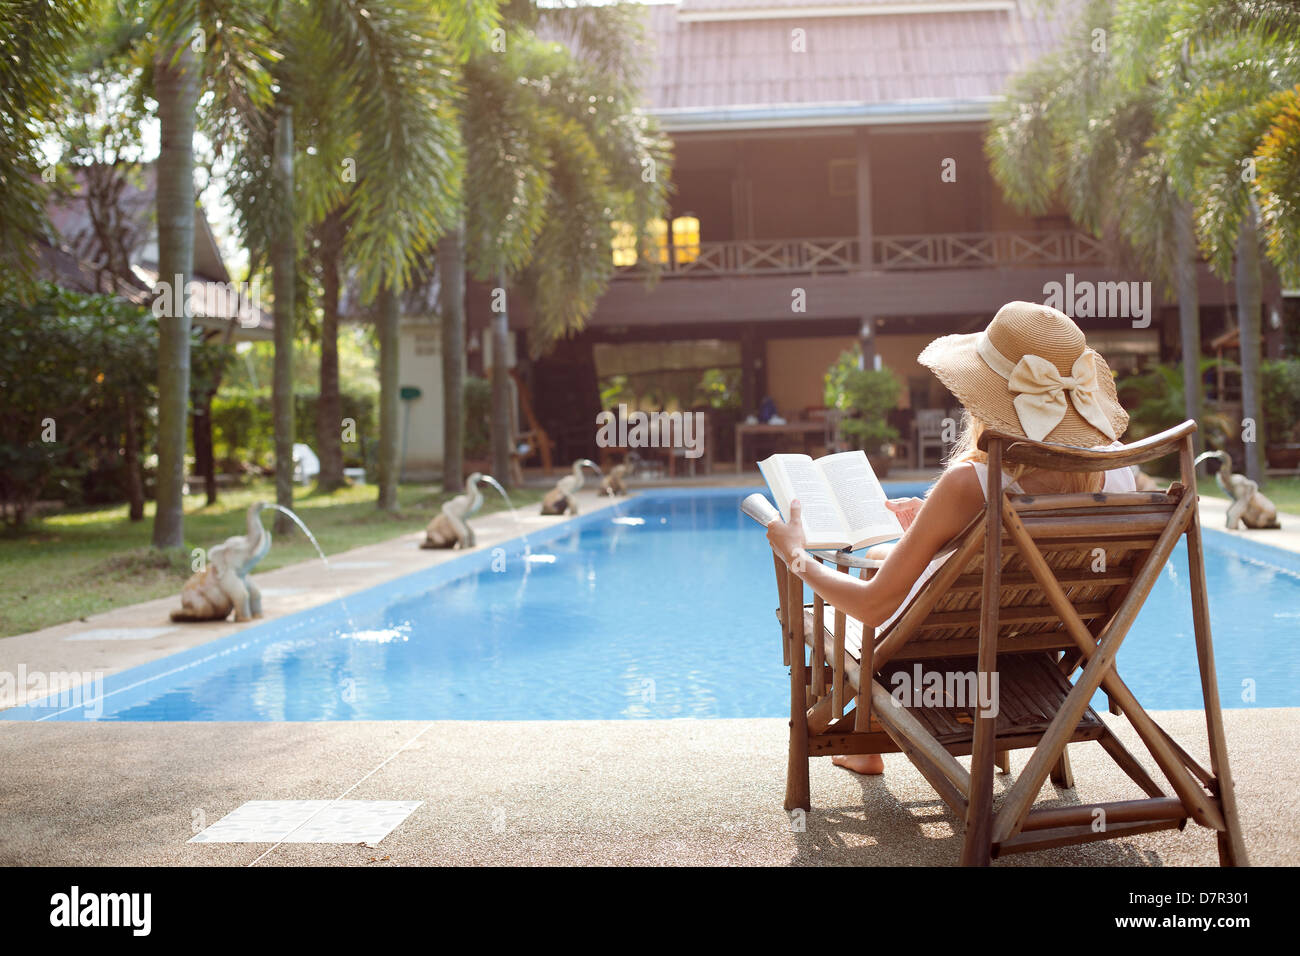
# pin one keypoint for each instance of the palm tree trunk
(389, 319)
(205, 463)
(176, 87)
(1189, 314)
(329, 409)
(131, 458)
(283, 266)
(502, 438)
(451, 280)
(1250, 288)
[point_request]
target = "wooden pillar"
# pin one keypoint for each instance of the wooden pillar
(867, 341)
(862, 140)
(751, 370)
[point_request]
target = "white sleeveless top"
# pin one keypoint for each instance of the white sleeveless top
(1116, 480)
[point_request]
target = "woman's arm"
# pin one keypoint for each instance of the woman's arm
(949, 507)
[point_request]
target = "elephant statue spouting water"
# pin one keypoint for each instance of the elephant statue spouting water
(1249, 505)
(563, 498)
(223, 584)
(450, 528)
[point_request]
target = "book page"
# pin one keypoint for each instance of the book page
(859, 497)
(800, 478)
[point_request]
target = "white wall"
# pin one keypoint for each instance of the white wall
(420, 364)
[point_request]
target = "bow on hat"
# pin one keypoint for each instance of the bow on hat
(1040, 389)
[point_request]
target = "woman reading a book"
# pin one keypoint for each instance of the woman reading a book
(1029, 373)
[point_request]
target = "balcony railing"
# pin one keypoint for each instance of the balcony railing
(958, 250)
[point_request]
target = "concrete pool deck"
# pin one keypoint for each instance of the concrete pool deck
(612, 792)
(623, 792)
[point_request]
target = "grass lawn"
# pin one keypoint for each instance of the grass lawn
(1283, 492)
(70, 565)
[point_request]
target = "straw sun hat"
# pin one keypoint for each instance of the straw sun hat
(1031, 373)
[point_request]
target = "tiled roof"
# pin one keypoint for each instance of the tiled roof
(65, 262)
(865, 65)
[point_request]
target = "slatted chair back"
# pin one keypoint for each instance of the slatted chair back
(1094, 545)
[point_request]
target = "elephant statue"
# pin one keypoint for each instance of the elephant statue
(223, 585)
(615, 483)
(450, 529)
(562, 499)
(1249, 505)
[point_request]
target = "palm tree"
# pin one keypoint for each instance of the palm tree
(1079, 125)
(328, 254)
(555, 149)
(1230, 69)
(370, 86)
(217, 44)
(398, 63)
(40, 40)
(451, 309)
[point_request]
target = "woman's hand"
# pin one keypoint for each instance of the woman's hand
(787, 538)
(906, 509)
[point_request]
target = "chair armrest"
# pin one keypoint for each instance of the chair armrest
(847, 559)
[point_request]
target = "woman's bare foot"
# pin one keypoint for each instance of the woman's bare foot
(870, 764)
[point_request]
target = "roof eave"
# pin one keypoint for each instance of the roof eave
(220, 327)
(802, 116)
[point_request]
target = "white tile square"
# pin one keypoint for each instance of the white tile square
(309, 821)
(119, 634)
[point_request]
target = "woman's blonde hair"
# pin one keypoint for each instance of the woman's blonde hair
(966, 448)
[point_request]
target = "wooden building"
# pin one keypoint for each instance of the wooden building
(830, 189)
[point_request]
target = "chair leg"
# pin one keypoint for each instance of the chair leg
(1232, 851)
(1232, 848)
(977, 847)
(797, 792)
(1004, 761)
(1061, 774)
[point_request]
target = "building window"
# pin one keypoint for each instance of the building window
(624, 244)
(685, 232)
(686, 238)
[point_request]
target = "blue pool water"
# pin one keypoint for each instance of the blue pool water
(662, 609)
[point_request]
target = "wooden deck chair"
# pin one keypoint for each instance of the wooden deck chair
(1036, 588)
(533, 438)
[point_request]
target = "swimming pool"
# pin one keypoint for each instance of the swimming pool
(661, 608)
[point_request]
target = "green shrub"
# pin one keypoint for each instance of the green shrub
(1154, 399)
(72, 368)
(241, 425)
(243, 429)
(867, 396)
(1281, 393)
(478, 417)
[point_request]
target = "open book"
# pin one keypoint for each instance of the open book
(843, 503)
